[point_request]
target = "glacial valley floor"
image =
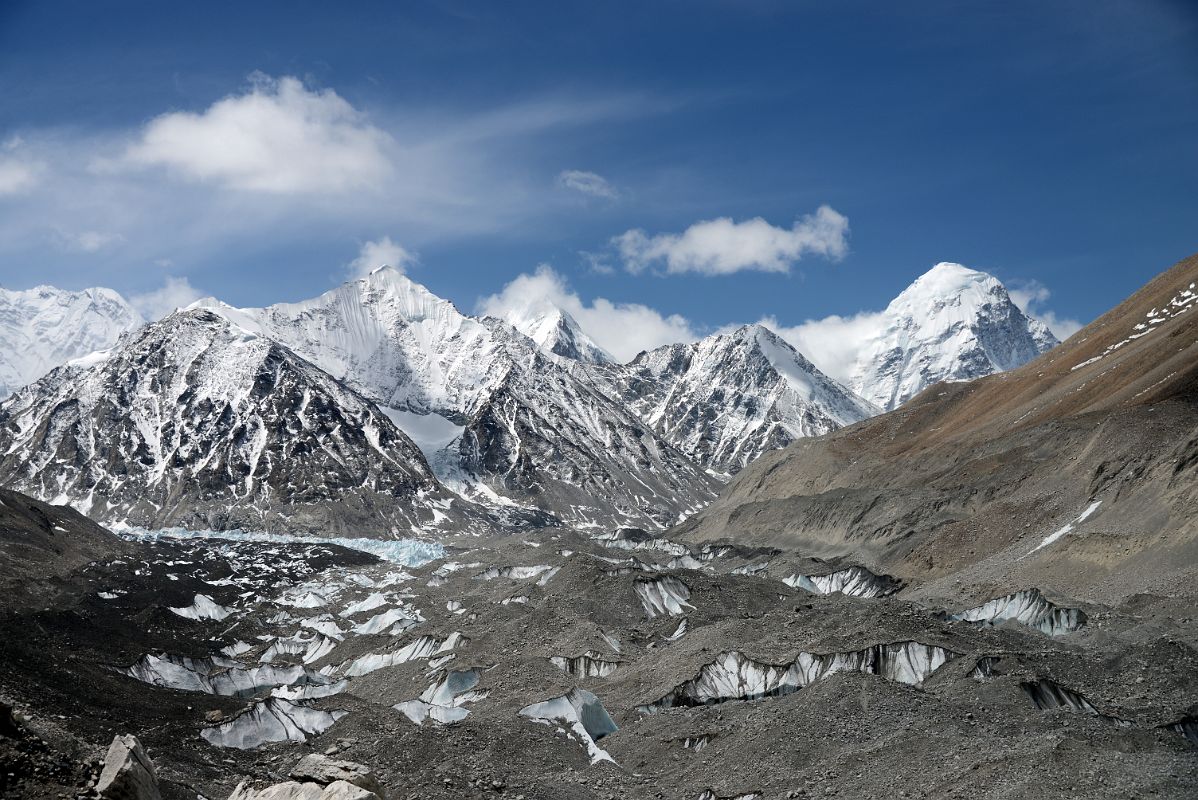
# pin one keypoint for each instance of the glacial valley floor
(556, 665)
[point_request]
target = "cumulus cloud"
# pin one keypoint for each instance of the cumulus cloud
(622, 329)
(382, 252)
(1031, 296)
(832, 343)
(588, 183)
(173, 294)
(722, 246)
(279, 137)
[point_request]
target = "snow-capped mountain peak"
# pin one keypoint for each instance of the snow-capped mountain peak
(215, 426)
(726, 399)
(43, 327)
(951, 323)
(528, 430)
(555, 331)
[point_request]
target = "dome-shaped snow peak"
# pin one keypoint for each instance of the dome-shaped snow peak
(953, 323)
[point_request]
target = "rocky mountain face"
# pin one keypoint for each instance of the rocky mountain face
(951, 324)
(533, 436)
(196, 422)
(43, 327)
(1076, 471)
(728, 398)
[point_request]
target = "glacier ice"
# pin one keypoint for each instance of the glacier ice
(1048, 695)
(590, 664)
(217, 675)
(851, 581)
(443, 701)
(661, 596)
(735, 676)
(421, 647)
(408, 552)
(582, 711)
(514, 573)
(203, 607)
(272, 720)
(1027, 607)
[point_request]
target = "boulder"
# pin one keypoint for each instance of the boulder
(324, 770)
(128, 772)
(295, 790)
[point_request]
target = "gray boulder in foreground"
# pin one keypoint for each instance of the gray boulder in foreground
(321, 769)
(128, 772)
(294, 790)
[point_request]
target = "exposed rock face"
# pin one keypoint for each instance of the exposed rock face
(726, 399)
(44, 327)
(196, 422)
(526, 428)
(952, 324)
(128, 772)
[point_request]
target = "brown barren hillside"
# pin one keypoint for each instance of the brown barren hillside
(956, 489)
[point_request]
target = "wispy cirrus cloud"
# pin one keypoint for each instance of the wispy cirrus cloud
(87, 241)
(589, 183)
(279, 160)
(723, 246)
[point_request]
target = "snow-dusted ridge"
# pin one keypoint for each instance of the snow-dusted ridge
(44, 327)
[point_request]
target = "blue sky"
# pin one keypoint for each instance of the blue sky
(252, 151)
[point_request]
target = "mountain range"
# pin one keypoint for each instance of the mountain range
(1076, 470)
(379, 403)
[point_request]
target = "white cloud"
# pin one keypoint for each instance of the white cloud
(16, 176)
(279, 137)
(87, 241)
(382, 252)
(451, 172)
(622, 329)
(174, 293)
(722, 246)
(832, 343)
(1031, 296)
(588, 183)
